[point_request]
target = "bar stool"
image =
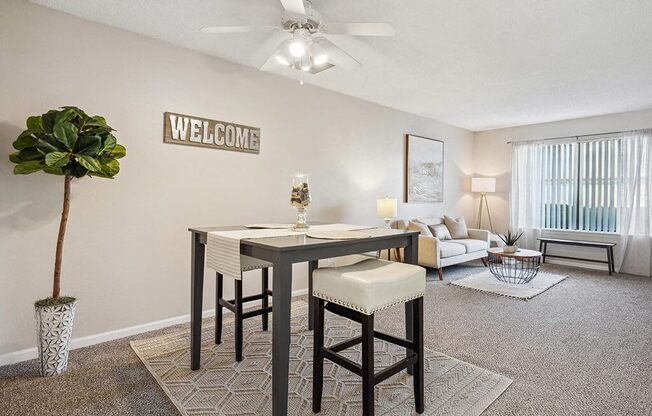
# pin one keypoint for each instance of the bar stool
(356, 292)
(246, 263)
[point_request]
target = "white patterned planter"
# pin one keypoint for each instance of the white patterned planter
(54, 330)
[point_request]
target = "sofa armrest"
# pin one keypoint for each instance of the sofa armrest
(428, 251)
(477, 234)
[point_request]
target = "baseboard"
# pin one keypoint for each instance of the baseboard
(31, 353)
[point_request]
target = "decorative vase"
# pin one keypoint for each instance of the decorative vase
(54, 330)
(510, 249)
(300, 199)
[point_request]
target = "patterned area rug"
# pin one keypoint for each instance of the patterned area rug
(486, 282)
(224, 387)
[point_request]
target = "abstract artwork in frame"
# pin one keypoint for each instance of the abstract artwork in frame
(424, 169)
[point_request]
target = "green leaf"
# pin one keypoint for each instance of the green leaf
(77, 170)
(89, 163)
(119, 151)
(46, 147)
(53, 170)
(31, 153)
(57, 159)
(88, 145)
(25, 168)
(63, 116)
(66, 133)
(109, 143)
(24, 141)
(48, 120)
(111, 168)
(35, 123)
(14, 158)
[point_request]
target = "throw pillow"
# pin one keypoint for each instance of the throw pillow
(457, 227)
(421, 228)
(440, 231)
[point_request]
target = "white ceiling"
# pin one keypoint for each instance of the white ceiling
(477, 64)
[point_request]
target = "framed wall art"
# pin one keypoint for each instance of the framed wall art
(424, 169)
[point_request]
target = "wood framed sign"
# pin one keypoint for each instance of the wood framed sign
(214, 134)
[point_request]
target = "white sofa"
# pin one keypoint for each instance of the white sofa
(438, 254)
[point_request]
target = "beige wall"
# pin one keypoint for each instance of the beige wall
(492, 156)
(127, 248)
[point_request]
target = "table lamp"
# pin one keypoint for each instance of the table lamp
(483, 186)
(387, 208)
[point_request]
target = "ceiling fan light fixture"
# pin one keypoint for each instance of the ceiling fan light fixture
(298, 47)
(320, 59)
(281, 59)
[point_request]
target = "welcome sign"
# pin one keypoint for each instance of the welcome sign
(215, 134)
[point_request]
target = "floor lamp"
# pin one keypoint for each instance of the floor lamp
(483, 186)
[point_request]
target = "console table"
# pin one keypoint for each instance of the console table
(609, 247)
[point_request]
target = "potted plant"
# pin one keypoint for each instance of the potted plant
(510, 240)
(69, 143)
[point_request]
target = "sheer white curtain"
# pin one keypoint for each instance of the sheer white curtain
(634, 250)
(526, 191)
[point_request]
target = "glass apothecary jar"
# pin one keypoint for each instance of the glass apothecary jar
(300, 199)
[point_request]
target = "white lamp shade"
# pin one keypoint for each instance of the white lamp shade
(483, 185)
(387, 207)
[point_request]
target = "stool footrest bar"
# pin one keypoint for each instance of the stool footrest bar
(405, 343)
(342, 361)
(346, 344)
(395, 368)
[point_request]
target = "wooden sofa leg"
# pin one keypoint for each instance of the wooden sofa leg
(485, 262)
(440, 272)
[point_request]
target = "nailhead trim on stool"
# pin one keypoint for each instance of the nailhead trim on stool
(365, 311)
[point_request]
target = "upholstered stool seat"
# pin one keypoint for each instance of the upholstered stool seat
(235, 305)
(356, 291)
(370, 285)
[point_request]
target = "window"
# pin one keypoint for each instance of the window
(580, 181)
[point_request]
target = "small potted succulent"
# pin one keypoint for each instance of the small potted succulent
(510, 239)
(72, 144)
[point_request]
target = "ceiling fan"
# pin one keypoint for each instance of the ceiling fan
(305, 46)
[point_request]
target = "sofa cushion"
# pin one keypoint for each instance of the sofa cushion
(456, 226)
(421, 228)
(440, 231)
(450, 249)
(471, 245)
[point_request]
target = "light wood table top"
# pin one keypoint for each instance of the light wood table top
(521, 253)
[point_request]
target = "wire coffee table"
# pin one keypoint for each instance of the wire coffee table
(518, 268)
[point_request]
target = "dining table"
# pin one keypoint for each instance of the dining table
(283, 252)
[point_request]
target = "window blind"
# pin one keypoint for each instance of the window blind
(580, 182)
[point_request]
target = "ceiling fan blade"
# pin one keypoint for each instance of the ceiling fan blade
(236, 29)
(336, 55)
(294, 6)
(359, 29)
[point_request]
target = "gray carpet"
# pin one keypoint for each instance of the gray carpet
(581, 348)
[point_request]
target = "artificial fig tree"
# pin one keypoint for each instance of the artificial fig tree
(70, 143)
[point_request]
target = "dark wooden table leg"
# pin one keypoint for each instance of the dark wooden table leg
(265, 301)
(312, 265)
(196, 298)
(545, 250)
(419, 376)
(410, 256)
(282, 288)
(540, 245)
(610, 260)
